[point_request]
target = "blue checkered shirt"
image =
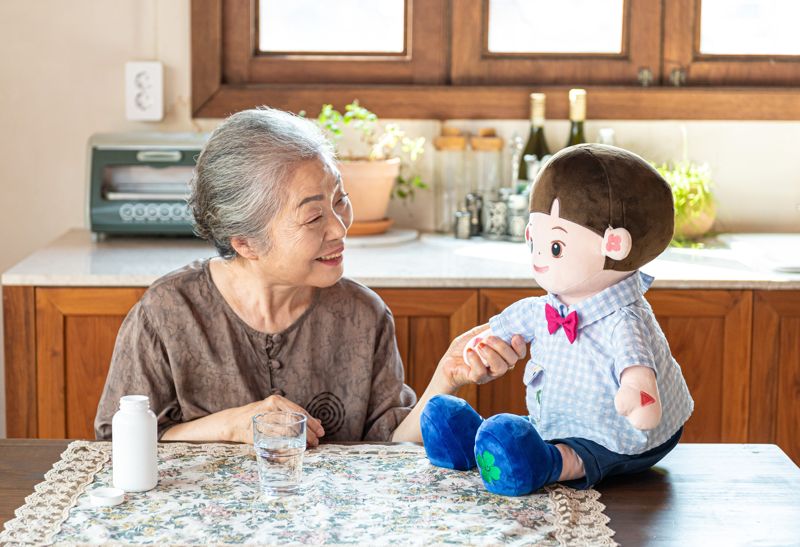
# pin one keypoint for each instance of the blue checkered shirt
(571, 387)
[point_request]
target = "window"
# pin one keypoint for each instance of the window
(304, 26)
(640, 59)
(732, 42)
(540, 26)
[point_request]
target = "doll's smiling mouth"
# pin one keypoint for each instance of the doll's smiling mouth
(540, 269)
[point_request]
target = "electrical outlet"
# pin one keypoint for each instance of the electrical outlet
(144, 91)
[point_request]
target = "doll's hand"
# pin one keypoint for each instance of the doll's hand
(638, 399)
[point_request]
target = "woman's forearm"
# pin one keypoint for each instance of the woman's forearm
(214, 427)
(409, 429)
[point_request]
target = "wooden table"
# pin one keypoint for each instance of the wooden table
(712, 494)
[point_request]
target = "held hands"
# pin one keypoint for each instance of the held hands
(638, 399)
(241, 420)
(480, 363)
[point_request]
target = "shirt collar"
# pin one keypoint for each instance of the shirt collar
(606, 301)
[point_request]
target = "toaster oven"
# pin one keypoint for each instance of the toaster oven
(139, 182)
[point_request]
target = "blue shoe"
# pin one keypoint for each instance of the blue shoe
(512, 457)
(448, 428)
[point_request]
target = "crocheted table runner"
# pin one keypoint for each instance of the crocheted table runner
(363, 494)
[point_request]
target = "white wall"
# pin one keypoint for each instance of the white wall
(61, 79)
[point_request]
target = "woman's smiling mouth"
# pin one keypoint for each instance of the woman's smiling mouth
(333, 259)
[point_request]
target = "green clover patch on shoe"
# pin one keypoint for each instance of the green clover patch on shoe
(489, 471)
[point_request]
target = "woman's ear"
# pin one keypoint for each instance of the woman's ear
(617, 243)
(243, 248)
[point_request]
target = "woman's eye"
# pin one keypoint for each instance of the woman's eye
(556, 248)
(316, 219)
(343, 199)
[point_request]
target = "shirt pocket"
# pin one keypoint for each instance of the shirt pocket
(534, 384)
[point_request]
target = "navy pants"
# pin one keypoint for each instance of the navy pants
(599, 462)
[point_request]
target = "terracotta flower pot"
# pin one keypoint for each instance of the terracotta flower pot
(696, 225)
(369, 184)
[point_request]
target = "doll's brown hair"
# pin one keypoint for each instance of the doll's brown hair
(598, 186)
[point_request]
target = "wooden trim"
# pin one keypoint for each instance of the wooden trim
(485, 102)
(473, 64)
(426, 38)
(737, 363)
(53, 306)
(682, 51)
(19, 337)
(206, 37)
(52, 419)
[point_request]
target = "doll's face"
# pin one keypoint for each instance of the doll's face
(565, 256)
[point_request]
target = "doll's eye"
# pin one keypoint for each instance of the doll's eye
(556, 248)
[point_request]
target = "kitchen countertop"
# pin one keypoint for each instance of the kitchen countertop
(733, 261)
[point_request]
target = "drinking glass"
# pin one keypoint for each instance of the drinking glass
(279, 439)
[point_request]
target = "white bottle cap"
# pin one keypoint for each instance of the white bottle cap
(134, 402)
(106, 496)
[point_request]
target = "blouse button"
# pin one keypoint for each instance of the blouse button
(276, 338)
(274, 364)
(278, 391)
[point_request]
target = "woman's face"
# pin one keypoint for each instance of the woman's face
(308, 234)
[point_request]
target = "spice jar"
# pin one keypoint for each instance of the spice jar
(449, 184)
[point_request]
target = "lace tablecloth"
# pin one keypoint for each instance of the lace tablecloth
(356, 494)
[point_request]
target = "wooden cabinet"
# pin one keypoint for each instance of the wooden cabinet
(709, 334)
(426, 320)
(775, 375)
(59, 343)
(739, 351)
(60, 351)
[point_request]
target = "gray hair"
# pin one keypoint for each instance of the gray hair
(239, 179)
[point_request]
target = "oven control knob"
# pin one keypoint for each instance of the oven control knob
(126, 212)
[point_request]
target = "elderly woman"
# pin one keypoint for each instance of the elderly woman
(271, 324)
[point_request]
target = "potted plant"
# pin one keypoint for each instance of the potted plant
(695, 208)
(381, 167)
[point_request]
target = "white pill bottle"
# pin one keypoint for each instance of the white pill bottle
(134, 439)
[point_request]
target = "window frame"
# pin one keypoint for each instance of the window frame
(214, 95)
(473, 63)
(423, 62)
(683, 59)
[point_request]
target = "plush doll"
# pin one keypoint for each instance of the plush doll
(603, 392)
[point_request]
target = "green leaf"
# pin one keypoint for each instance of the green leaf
(494, 473)
(488, 457)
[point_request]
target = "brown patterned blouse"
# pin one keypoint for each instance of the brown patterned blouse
(185, 347)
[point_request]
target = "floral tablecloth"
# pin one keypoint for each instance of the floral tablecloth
(352, 494)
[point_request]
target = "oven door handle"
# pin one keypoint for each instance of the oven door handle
(159, 155)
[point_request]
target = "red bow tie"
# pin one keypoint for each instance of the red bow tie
(568, 323)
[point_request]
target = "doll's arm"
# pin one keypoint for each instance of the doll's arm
(515, 319)
(638, 399)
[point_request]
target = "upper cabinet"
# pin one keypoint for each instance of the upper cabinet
(640, 59)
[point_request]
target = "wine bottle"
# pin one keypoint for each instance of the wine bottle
(536, 148)
(577, 115)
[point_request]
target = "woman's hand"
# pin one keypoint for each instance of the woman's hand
(240, 419)
(499, 358)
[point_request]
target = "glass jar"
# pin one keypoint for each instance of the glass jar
(486, 162)
(518, 216)
(495, 214)
(449, 181)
